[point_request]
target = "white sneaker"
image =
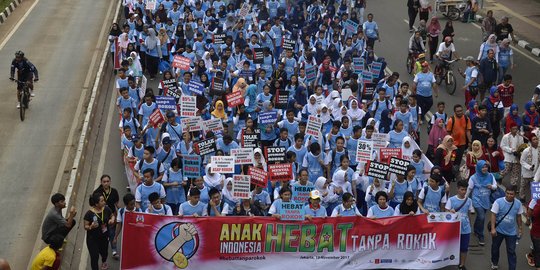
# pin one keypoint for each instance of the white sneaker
(32, 94)
(18, 105)
(493, 267)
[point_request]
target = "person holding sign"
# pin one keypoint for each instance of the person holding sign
(372, 190)
(314, 208)
(213, 180)
(397, 190)
(285, 195)
(347, 208)
(246, 208)
(381, 209)
(174, 183)
(315, 162)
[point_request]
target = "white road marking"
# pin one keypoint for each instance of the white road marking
(76, 119)
(16, 27)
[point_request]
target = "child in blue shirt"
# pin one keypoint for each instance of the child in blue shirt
(193, 207)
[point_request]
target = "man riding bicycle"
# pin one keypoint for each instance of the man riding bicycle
(26, 72)
(418, 64)
(445, 52)
(416, 49)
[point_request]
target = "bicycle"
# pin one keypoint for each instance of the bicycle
(447, 75)
(411, 62)
(24, 97)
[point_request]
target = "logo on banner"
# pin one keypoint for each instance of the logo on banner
(177, 242)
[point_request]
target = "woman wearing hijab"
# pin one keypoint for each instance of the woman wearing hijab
(227, 193)
(494, 155)
(326, 119)
(489, 44)
(505, 58)
(250, 100)
(445, 155)
(355, 113)
(530, 118)
(476, 154)
(436, 136)
(114, 33)
(385, 125)
(495, 110)
(241, 86)
(259, 160)
(481, 184)
(407, 148)
(335, 106)
(512, 118)
(219, 111)
(135, 68)
(434, 30)
(311, 108)
(472, 109)
(164, 41)
(153, 53)
(408, 207)
(213, 180)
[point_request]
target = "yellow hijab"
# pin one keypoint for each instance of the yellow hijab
(219, 113)
(478, 154)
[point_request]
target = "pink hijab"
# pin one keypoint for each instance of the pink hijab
(436, 135)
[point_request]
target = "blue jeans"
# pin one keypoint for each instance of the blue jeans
(510, 249)
(479, 222)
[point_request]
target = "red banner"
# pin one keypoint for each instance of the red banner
(258, 177)
(234, 99)
(156, 118)
(409, 242)
(280, 172)
(117, 55)
(387, 153)
(181, 62)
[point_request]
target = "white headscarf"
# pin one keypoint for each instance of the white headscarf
(355, 114)
(263, 161)
(312, 108)
(325, 117)
(135, 67)
(212, 180)
(407, 152)
(336, 108)
(226, 193)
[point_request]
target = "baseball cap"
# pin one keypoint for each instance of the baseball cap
(421, 56)
(135, 137)
(314, 194)
(469, 58)
(166, 140)
(170, 114)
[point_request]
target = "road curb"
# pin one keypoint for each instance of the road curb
(9, 9)
(534, 49)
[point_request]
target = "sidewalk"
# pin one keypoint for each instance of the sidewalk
(524, 16)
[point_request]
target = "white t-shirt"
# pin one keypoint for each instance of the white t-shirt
(444, 51)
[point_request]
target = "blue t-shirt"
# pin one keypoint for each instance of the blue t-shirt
(321, 212)
(454, 203)
(501, 206)
(424, 82)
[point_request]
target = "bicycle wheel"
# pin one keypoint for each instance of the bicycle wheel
(409, 64)
(439, 79)
(450, 83)
(453, 13)
(22, 107)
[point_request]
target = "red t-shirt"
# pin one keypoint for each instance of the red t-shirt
(506, 94)
(535, 229)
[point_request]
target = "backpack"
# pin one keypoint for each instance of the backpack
(425, 191)
(454, 120)
(134, 123)
(377, 106)
(140, 166)
(334, 151)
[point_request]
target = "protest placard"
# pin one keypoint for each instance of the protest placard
(166, 103)
(364, 151)
(267, 117)
(376, 69)
(378, 170)
(247, 75)
(214, 125)
(366, 76)
(191, 166)
(358, 65)
(351, 26)
(180, 62)
(535, 190)
(241, 186)
(311, 72)
(217, 87)
(380, 140)
(234, 99)
(218, 39)
(205, 147)
(300, 194)
(222, 164)
(170, 88)
(288, 44)
(196, 87)
(275, 154)
(258, 55)
(386, 153)
(242, 155)
(280, 172)
(244, 10)
(188, 106)
(282, 99)
(368, 91)
(258, 177)
(313, 126)
(292, 211)
(398, 166)
(151, 4)
(191, 124)
(250, 140)
(156, 118)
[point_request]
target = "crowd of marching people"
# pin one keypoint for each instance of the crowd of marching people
(329, 72)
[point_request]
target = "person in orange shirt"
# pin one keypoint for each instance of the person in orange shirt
(459, 127)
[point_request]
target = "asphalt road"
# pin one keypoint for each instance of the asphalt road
(59, 39)
(106, 157)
